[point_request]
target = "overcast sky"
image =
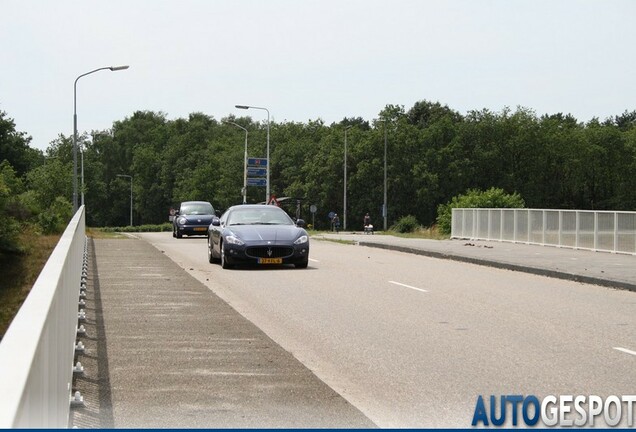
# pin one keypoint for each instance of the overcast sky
(305, 60)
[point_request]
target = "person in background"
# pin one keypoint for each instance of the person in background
(368, 228)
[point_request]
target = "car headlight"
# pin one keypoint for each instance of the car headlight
(182, 221)
(232, 239)
(301, 240)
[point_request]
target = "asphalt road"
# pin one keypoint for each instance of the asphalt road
(411, 341)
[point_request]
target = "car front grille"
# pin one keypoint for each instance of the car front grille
(269, 252)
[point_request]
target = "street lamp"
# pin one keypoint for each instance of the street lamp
(267, 197)
(131, 202)
(344, 212)
(244, 162)
(385, 210)
(111, 68)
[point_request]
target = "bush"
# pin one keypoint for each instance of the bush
(406, 224)
(55, 219)
(139, 228)
(9, 226)
(474, 198)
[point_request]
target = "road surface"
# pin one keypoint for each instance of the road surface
(412, 341)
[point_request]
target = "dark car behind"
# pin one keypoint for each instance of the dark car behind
(192, 218)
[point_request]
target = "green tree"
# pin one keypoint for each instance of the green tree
(473, 198)
(14, 147)
(9, 226)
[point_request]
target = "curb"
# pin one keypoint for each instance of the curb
(506, 266)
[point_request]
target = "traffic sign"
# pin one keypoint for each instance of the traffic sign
(258, 181)
(258, 162)
(256, 172)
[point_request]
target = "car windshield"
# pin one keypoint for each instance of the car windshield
(196, 209)
(259, 216)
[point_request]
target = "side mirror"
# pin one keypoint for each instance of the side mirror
(216, 221)
(176, 212)
(300, 223)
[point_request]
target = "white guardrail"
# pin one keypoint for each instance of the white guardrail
(607, 231)
(37, 351)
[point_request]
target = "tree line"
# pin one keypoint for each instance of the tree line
(433, 154)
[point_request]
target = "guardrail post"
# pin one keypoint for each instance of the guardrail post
(577, 234)
(615, 248)
(595, 231)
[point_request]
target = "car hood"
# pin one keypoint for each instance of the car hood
(207, 219)
(273, 233)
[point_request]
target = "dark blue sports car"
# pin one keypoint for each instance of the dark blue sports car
(192, 218)
(257, 234)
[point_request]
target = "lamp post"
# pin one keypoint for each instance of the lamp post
(385, 210)
(267, 196)
(82, 175)
(344, 210)
(131, 201)
(386, 207)
(111, 68)
(244, 162)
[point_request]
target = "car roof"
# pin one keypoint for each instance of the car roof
(195, 202)
(255, 206)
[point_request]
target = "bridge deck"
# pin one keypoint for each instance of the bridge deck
(163, 351)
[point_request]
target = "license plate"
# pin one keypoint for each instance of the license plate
(270, 260)
(200, 229)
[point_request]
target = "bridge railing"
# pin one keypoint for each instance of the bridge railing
(37, 350)
(609, 231)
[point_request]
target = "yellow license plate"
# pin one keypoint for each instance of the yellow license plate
(270, 260)
(200, 229)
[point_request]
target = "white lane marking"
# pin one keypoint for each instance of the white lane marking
(408, 286)
(625, 350)
(313, 260)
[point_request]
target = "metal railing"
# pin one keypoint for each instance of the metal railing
(37, 351)
(608, 231)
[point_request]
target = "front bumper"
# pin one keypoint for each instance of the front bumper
(193, 229)
(267, 253)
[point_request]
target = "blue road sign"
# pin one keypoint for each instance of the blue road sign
(258, 162)
(256, 172)
(259, 181)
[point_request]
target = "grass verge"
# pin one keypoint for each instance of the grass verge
(19, 273)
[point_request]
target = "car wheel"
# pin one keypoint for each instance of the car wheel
(174, 232)
(224, 263)
(210, 257)
(179, 235)
(303, 264)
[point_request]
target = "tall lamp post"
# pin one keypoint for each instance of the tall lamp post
(267, 196)
(344, 210)
(244, 162)
(385, 210)
(111, 68)
(131, 201)
(386, 207)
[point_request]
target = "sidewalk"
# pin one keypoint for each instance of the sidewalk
(163, 351)
(599, 268)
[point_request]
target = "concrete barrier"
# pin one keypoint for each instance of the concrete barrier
(36, 353)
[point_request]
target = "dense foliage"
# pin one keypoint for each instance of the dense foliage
(491, 198)
(434, 154)
(406, 224)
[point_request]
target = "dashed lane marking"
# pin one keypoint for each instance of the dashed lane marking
(408, 286)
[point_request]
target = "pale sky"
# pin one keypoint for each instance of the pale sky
(305, 60)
